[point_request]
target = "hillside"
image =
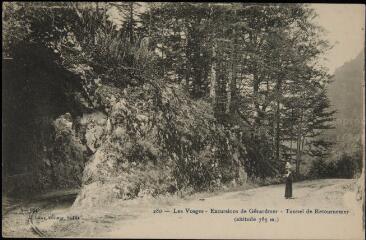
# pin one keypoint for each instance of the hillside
(345, 93)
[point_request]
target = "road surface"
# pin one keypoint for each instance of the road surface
(321, 209)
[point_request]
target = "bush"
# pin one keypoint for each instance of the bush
(347, 166)
(321, 169)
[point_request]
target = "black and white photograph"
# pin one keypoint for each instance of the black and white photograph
(183, 120)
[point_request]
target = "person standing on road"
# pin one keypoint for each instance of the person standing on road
(288, 176)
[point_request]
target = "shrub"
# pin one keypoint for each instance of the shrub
(347, 166)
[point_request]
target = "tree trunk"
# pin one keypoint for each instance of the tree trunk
(255, 93)
(221, 95)
(213, 74)
(233, 100)
(131, 23)
(291, 133)
(278, 119)
(298, 142)
(277, 139)
(187, 59)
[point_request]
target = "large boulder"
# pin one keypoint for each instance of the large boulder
(150, 143)
(93, 128)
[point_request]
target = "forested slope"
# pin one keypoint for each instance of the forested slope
(346, 94)
(178, 97)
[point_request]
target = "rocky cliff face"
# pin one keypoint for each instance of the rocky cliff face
(124, 151)
(146, 143)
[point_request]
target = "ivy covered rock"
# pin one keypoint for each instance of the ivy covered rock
(65, 157)
(155, 143)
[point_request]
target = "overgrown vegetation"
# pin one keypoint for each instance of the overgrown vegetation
(347, 166)
(179, 96)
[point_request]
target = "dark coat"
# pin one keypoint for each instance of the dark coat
(288, 189)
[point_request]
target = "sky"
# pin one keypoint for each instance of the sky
(345, 26)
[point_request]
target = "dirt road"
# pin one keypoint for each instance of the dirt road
(254, 213)
(321, 194)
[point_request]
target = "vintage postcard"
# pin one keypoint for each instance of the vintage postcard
(183, 120)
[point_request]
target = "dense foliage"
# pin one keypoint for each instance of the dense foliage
(347, 166)
(188, 95)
